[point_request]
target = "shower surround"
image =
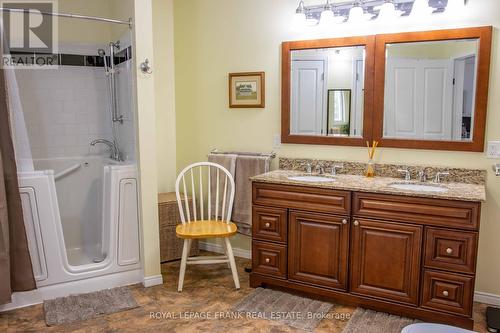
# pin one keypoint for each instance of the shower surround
(80, 207)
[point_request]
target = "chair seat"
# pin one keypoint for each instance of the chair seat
(206, 229)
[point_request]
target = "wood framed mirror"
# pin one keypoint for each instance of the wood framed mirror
(316, 76)
(431, 89)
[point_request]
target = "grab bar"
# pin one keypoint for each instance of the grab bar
(66, 172)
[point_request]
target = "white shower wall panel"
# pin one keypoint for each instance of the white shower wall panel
(65, 109)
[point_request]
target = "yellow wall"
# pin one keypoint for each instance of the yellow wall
(82, 31)
(214, 38)
(163, 29)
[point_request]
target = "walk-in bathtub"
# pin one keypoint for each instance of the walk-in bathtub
(82, 224)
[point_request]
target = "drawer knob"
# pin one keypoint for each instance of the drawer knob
(268, 225)
(268, 260)
(449, 250)
(344, 221)
(445, 293)
(356, 223)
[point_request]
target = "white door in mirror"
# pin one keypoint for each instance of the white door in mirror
(418, 102)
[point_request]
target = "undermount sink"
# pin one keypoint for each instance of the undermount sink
(418, 187)
(312, 179)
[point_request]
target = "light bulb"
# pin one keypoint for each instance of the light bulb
(421, 9)
(327, 18)
(455, 8)
(327, 15)
(388, 12)
(357, 15)
(299, 19)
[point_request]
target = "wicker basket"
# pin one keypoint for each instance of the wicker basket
(169, 218)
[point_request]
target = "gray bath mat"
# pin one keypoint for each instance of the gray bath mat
(291, 310)
(69, 309)
(367, 321)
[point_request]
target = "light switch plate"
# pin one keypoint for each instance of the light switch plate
(277, 141)
(493, 150)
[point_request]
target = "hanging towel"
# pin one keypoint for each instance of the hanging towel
(228, 161)
(246, 167)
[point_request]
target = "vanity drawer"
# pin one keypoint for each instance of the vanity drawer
(451, 250)
(438, 212)
(269, 224)
(302, 198)
(448, 292)
(269, 259)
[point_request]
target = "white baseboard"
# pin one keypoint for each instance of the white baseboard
(217, 248)
(154, 280)
(487, 298)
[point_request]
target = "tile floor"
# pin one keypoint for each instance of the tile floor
(208, 289)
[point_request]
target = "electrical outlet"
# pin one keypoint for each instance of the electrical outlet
(493, 150)
(276, 140)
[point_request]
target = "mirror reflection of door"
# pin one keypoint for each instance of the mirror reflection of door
(309, 97)
(339, 111)
(430, 89)
(315, 74)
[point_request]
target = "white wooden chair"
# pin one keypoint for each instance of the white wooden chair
(216, 223)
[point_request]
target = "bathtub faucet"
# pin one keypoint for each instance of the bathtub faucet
(115, 151)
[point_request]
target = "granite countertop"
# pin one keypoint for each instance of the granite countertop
(456, 191)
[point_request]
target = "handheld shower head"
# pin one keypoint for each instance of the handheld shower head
(101, 53)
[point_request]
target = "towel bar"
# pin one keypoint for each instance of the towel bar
(270, 155)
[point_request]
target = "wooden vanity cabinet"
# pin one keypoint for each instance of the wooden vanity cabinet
(385, 260)
(318, 249)
(409, 256)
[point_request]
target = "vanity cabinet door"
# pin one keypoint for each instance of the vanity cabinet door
(317, 250)
(385, 260)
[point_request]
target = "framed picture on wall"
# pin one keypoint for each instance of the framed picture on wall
(247, 90)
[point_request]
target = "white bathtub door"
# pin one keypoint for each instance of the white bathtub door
(128, 223)
(33, 233)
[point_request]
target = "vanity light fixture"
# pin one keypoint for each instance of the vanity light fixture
(358, 11)
(299, 19)
(388, 11)
(311, 21)
(327, 15)
(357, 14)
(421, 9)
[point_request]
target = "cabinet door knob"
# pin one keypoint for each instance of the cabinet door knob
(268, 260)
(344, 221)
(445, 293)
(449, 250)
(356, 222)
(268, 225)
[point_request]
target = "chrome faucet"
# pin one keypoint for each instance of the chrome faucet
(437, 178)
(406, 173)
(422, 176)
(115, 151)
(308, 168)
(319, 169)
(335, 167)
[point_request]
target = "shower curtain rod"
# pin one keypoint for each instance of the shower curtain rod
(83, 17)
